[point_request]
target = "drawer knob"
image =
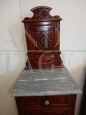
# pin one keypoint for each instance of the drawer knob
(46, 102)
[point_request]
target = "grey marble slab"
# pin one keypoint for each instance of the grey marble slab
(45, 82)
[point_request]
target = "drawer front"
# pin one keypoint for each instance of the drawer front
(49, 100)
(48, 105)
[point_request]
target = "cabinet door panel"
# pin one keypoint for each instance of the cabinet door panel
(39, 41)
(42, 39)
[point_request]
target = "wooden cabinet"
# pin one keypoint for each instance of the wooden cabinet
(43, 50)
(43, 38)
(46, 105)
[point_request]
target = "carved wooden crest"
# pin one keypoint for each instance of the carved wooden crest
(41, 12)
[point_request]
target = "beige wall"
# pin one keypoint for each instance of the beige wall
(12, 50)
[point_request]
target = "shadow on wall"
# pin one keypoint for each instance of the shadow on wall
(13, 59)
(16, 35)
(12, 63)
(13, 52)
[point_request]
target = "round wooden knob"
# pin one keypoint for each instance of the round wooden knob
(46, 102)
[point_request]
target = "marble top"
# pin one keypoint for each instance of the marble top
(45, 82)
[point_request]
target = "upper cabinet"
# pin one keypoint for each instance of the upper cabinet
(42, 33)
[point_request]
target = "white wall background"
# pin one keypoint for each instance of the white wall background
(12, 53)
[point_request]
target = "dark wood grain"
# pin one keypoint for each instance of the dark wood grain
(43, 38)
(63, 104)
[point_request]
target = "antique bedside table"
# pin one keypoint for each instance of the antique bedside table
(49, 89)
(45, 92)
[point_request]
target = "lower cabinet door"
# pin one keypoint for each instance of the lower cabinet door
(60, 112)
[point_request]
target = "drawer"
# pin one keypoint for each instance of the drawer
(50, 102)
(35, 105)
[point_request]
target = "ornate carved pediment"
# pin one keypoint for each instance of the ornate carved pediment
(41, 12)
